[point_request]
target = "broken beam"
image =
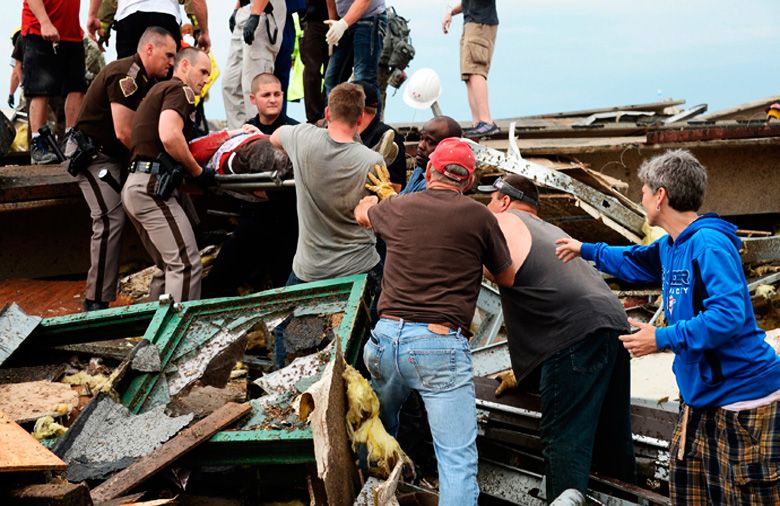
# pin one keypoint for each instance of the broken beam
(717, 132)
(168, 453)
(606, 205)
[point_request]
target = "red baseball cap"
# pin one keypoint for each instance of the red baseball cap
(453, 150)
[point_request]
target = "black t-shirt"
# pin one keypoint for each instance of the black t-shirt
(123, 82)
(437, 242)
(18, 52)
(145, 143)
(280, 121)
(371, 136)
(480, 11)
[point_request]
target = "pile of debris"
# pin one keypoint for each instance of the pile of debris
(182, 396)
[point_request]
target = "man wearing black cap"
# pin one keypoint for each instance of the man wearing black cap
(564, 319)
(426, 306)
(372, 130)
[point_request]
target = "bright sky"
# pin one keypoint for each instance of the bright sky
(560, 55)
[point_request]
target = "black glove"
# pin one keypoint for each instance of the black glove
(11, 100)
(250, 27)
(206, 179)
(232, 21)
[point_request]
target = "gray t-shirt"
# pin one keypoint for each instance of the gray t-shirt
(330, 180)
(375, 7)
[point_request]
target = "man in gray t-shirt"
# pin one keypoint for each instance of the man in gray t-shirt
(330, 171)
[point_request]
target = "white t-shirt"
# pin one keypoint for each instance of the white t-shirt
(330, 179)
(126, 7)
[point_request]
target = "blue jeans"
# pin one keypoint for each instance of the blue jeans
(362, 44)
(585, 394)
(402, 357)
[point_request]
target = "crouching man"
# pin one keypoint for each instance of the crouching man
(426, 307)
(163, 124)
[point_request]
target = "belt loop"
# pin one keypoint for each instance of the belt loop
(400, 324)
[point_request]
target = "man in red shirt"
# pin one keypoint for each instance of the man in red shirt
(53, 65)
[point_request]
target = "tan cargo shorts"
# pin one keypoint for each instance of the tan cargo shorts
(476, 49)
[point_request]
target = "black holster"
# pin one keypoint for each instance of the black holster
(85, 152)
(169, 177)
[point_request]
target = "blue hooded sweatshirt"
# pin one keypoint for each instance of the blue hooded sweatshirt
(721, 355)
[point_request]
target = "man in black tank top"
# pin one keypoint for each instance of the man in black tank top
(566, 322)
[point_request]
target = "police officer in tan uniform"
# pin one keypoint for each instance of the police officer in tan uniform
(163, 125)
(104, 122)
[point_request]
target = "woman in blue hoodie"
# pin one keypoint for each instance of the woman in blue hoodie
(726, 446)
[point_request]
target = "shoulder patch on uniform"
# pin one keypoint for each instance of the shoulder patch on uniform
(128, 85)
(189, 94)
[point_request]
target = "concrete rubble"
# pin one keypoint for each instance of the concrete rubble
(195, 358)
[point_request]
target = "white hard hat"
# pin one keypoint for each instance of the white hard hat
(422, 89)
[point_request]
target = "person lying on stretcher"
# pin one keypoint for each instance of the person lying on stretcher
(241, 151)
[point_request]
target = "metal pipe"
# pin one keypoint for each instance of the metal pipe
(252, 176)
(257, 186)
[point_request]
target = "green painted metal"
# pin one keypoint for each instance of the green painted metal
(177, 329)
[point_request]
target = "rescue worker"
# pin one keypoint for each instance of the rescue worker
(426, 306)
(585, 373)
(105, 121)
(162, 126)
(432, 132)
(256, 28)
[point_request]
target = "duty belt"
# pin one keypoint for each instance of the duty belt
(145, 167)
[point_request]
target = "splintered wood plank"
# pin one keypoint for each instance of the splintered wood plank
(19, 451)
(165, 455)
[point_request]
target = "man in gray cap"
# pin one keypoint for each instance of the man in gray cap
(564, 319)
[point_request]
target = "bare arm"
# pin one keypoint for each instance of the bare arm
(202, 15)
(93, 21)
(505, 278)
(48, 31)
(171, 133)
(361, 211)
(16, 76)
(275, 141)
(258, 7)
(445, 24)
(123, 122)
(332, 12)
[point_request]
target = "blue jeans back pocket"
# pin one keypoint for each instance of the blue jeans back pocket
(435, 368)
(590, 355)
(372, 356)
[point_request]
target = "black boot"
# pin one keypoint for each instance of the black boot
(94, 305)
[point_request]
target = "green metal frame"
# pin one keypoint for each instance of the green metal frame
(172, 326)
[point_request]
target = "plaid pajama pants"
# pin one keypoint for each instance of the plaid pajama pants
(729, 457)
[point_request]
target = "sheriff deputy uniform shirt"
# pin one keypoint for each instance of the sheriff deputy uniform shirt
(122, 82)
(145, 143)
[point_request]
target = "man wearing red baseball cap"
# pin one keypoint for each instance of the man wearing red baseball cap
(437, 244)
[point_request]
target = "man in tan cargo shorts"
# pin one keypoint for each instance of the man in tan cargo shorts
(480, 25)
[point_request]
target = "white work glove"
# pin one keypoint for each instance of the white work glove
(336, 31)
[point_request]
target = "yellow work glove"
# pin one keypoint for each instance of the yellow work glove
(381, 182)
(508, 381)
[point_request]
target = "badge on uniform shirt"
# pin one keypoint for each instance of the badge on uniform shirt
(189, 94)
(128, 86)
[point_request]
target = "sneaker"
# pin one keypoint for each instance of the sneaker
(39, 152)
(94, 305)
(481, 130)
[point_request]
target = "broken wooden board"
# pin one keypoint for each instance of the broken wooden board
(714, 132)
(52, 494)
(26, 402)
(335, 460)
(19, 451)
(51, 372)
(15, 326)
(168, 453)
(568, 213)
